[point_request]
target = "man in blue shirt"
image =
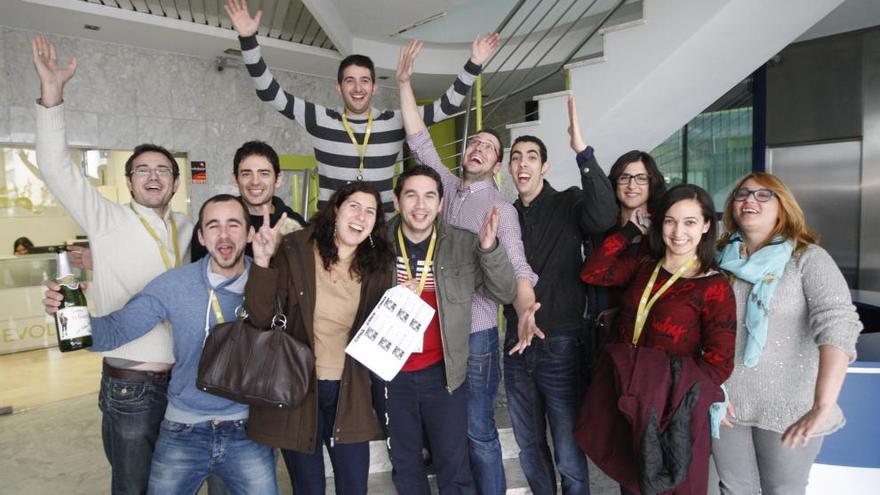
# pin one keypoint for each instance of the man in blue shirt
(202, 434)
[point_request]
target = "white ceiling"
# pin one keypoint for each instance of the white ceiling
(347, 26)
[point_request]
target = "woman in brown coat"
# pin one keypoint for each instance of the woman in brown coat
(327, 277)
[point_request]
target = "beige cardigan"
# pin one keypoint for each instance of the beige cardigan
(125, 256)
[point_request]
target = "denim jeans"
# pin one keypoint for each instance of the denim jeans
(483, 376)
(419, 404)
(351, 461)
(187, 454)
(132, 412)
(545, 384)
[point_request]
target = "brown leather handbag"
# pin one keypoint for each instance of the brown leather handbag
(249, 365)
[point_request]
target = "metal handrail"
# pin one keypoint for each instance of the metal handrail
(566, 60)
(495, 102)
(535, 44)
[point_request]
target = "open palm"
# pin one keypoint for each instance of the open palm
(241, 19)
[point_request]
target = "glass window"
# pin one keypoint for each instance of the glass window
(714, 149)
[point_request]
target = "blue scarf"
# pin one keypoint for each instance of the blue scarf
(763, 269)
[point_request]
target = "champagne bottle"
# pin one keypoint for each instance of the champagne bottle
(72, 322)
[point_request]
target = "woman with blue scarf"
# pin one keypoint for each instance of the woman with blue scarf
(796, 334)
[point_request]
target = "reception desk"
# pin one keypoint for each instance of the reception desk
(849, 462)
(23, 323)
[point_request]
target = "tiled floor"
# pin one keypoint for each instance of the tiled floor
(33, 378)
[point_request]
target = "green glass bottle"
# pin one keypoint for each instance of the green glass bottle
(72, 322)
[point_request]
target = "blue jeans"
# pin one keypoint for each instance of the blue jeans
(132, 412)
(483, 376)
(546, 381)
(419, 404)
(351, 461)
(187, 454)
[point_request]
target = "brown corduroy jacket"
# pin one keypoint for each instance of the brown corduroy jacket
(291, 277)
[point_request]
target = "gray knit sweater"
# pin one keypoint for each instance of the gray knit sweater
(811, 307)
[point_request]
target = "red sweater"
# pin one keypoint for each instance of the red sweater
(695, 317)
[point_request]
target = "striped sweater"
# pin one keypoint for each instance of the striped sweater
(337, 157)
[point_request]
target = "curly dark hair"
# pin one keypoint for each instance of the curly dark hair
(370, 257)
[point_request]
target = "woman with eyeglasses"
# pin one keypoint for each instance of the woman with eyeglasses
(672, 344)
(327, 278)
(638, 184)
(796, 334)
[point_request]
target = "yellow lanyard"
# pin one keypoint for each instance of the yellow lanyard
(646, 304)
(361, 149)
(159, 244)
(215, 306)
(429, 256)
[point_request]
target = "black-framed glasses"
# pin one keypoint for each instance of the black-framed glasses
(641, 179)
(761, 195)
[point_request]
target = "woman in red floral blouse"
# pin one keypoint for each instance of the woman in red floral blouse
(693, 316)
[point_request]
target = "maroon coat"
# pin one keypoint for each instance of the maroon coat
(645, 418)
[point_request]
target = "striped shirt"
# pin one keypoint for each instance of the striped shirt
(337, 158)
(467, 207)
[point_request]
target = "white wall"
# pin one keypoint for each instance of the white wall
(122, 96)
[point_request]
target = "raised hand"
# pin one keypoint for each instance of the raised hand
(52, 77)
(267, 239)
(484, 47)
(641, 220)
(574, 128)
(526, 330)
(407, 61)
(489, 230)
(237, 10)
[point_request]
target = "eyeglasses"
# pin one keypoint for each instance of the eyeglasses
(641, 179)
(480, 144)
(761, 195)
(146, 171)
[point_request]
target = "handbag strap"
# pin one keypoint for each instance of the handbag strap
(279, 321)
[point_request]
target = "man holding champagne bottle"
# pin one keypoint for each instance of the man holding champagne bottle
(131, 244)
(201, 434)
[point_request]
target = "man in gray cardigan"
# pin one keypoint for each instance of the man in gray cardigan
(445, 265)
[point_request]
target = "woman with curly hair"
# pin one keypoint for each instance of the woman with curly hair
(327, 277)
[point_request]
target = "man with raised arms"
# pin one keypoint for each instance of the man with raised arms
(131, 244)
(544, 384)
(357, 142)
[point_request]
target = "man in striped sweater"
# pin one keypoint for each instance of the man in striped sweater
(360, 142)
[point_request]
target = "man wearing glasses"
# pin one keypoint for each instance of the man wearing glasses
(131, 244)
(356, 142)
(469, 199)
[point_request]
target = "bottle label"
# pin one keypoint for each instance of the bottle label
(74, 322)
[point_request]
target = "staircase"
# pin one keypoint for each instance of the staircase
(654, 75)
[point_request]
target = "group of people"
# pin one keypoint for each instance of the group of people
(753, 332)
